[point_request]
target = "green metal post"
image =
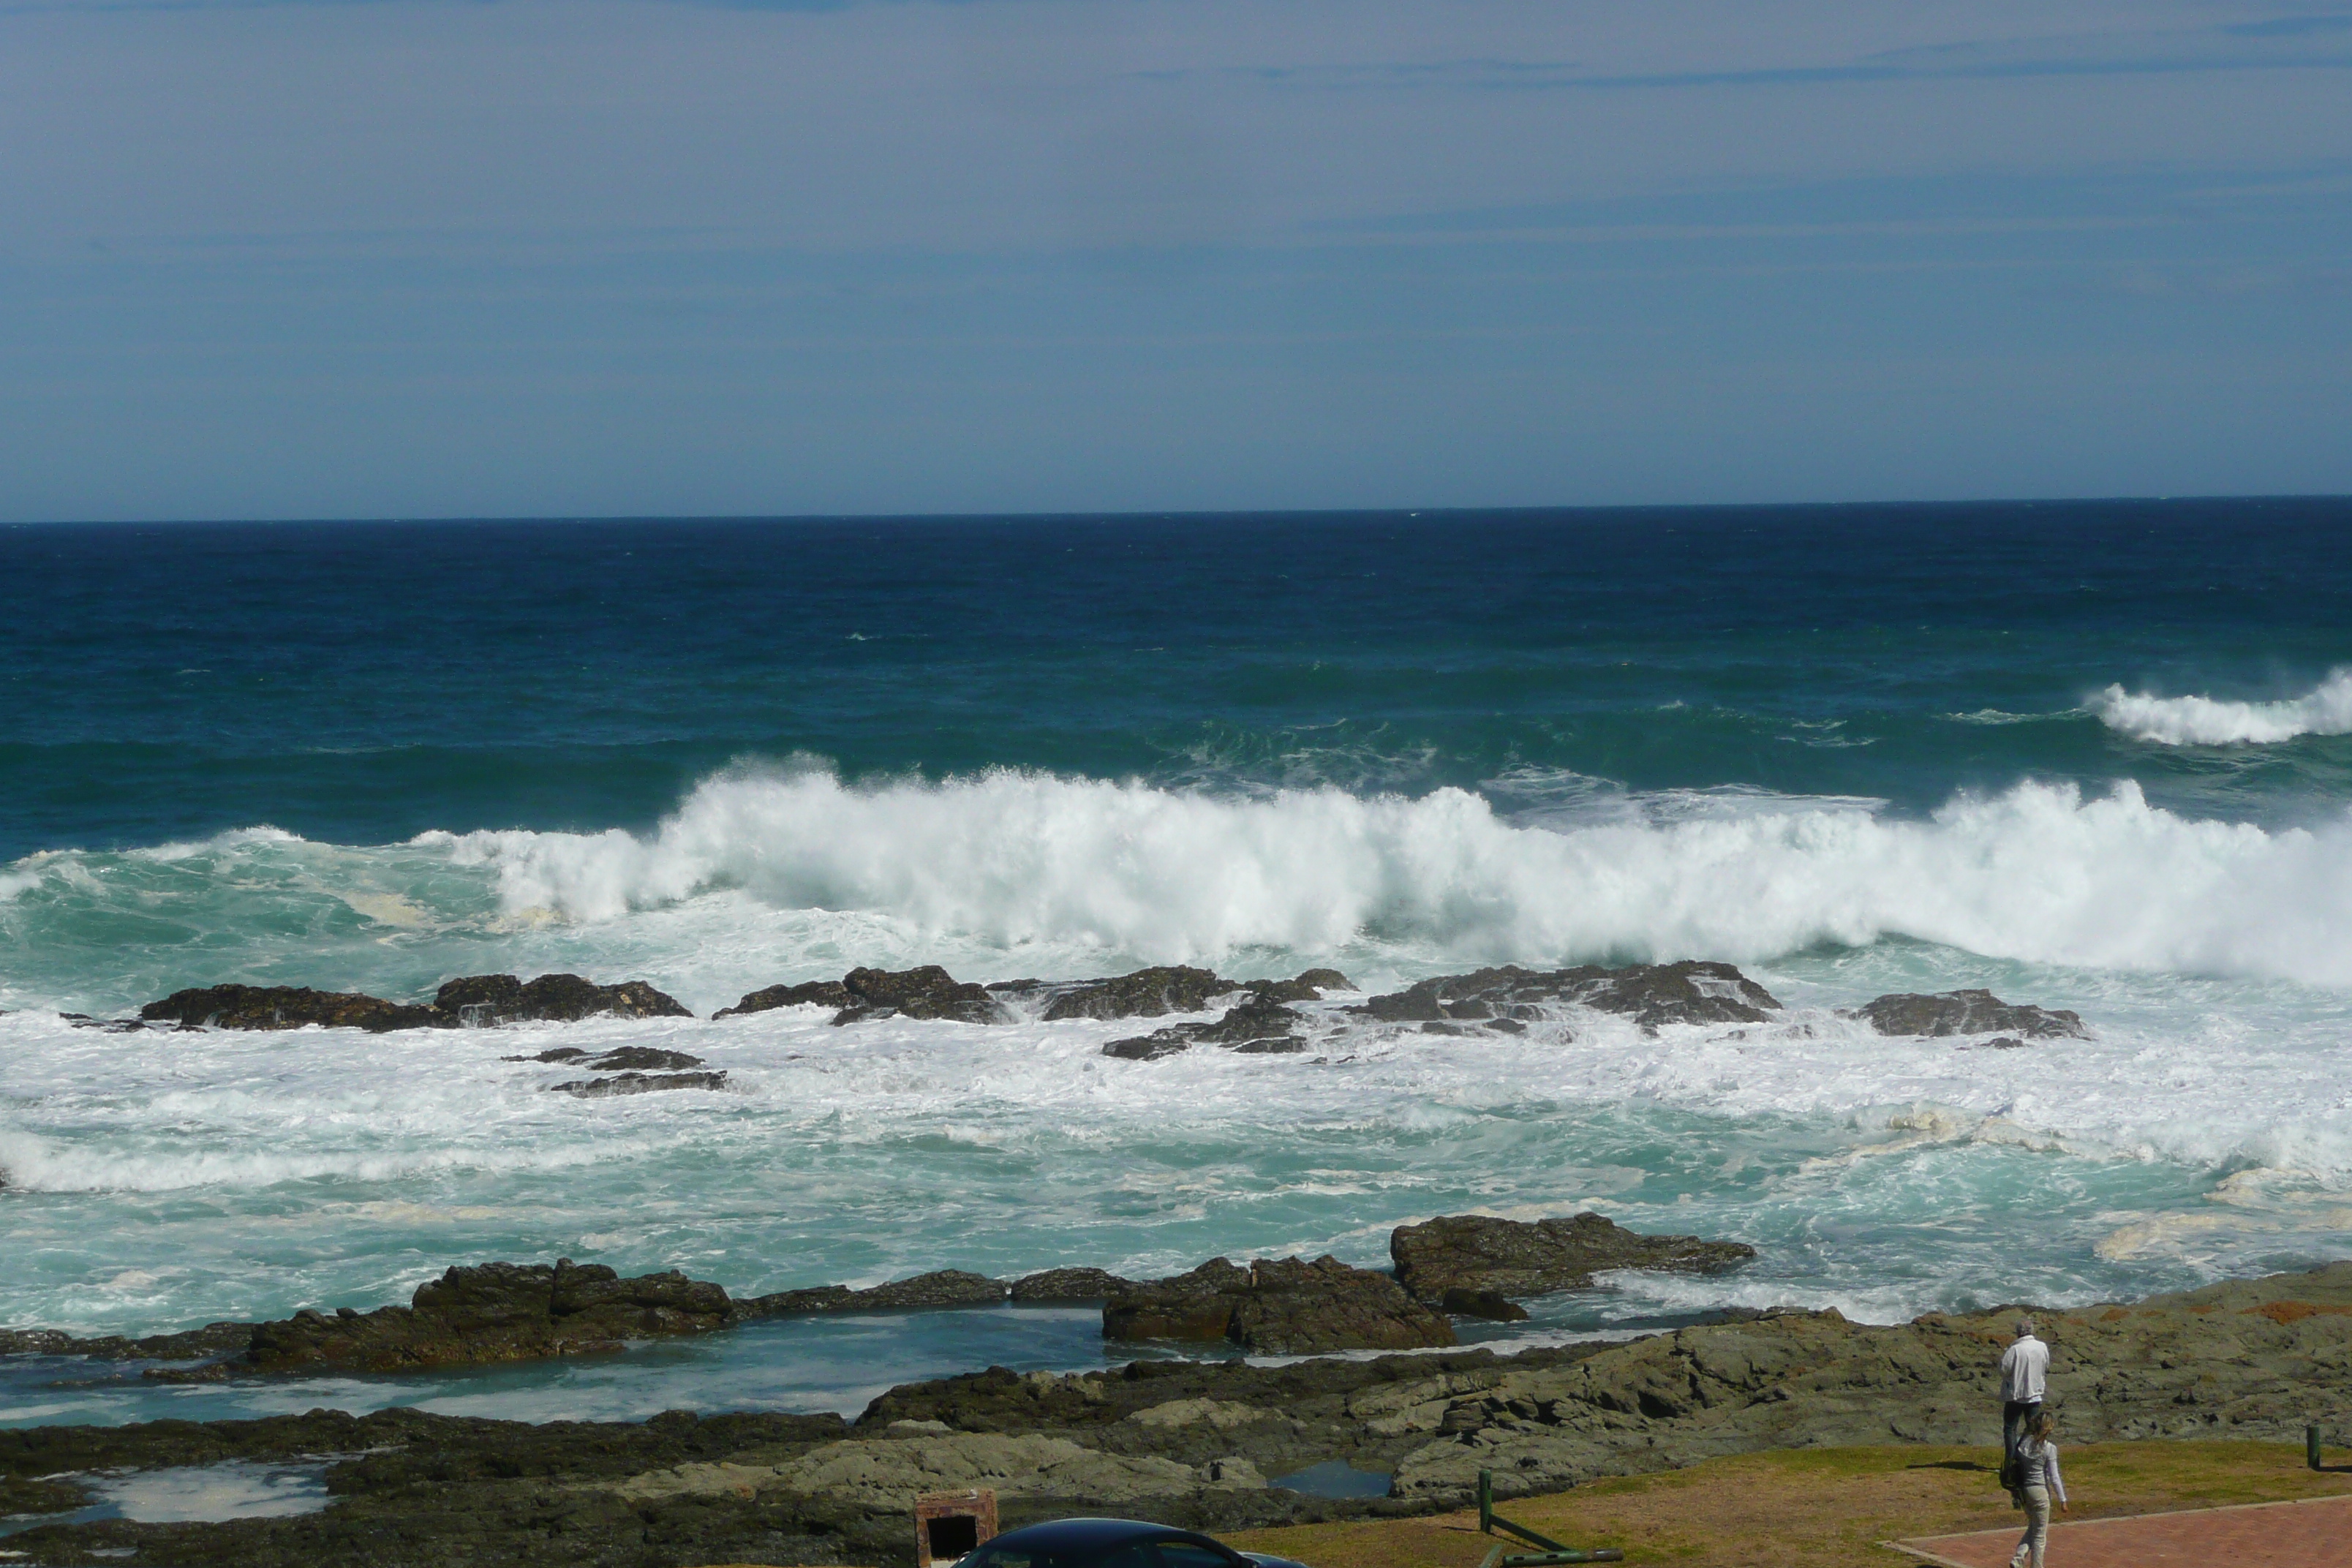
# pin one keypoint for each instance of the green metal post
(2310, 1449)
(1486, 1498)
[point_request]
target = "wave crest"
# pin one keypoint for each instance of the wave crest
(2037, 873)
(2326, 710)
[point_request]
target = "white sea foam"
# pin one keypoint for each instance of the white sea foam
(1015, 860)
(2326, 710)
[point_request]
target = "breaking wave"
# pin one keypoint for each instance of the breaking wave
(2038, 873)
(2326, 710)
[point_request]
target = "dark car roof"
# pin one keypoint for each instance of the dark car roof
(1084, 1537)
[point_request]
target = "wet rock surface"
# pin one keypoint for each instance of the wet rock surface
(1257, 1027)
(1969, 1013)
(830, 993)
(1652, 995)
(1155, 992)
(287, 1007)
(1454, 1262)
(475, 999)
(553, 998)
(1070, 1285)
(942, 1287)
(189, 1345)
(1278, 1307)
(493, 1312)
(2253, 1359)
(638, 1083)
(927, 991)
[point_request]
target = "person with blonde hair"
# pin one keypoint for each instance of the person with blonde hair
(2038, 1483)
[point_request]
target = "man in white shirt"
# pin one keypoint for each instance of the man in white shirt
(2024, 1375)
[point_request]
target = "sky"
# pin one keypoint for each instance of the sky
(416, 257)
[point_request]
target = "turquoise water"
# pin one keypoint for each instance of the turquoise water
(2093, 756)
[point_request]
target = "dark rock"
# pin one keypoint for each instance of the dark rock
(212, 1340)
(475, 999)
(639, 1083)
(1278, 1307)
(1158, 991)
(943, 1287)
(1146, 993)
(1257, 1027)
(554, 998)
(559, 1054)
(495, 1312)
(924, 991)
(813, 994)
(285, 1007)
(1477, 1253)
(2006, 1043)
(120, 1026)
(1070, 1285)
(1651, 994)
(1969, 1013)
(642, 1058)
(1462, 1303)
(1308, 987)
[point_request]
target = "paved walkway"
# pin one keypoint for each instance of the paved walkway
(2316, 1533)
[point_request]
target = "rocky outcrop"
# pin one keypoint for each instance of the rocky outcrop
(1650, 993)
(1155, 992)
(553, 998)
(478, 999)
(1278, 1307)
(1465, 1263)
(289, 1007)
(1257, 1027)
(862, 995)
(628, 1059)
(2247, 1359)
(1056, 1285)
(212, 1340)
(493, 1312)
(830, 993)
(639, 1083)
(1969, 1013)
(942, 1288)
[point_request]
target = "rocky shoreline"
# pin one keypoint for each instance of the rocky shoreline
(482, 1314)
(1193, 1442)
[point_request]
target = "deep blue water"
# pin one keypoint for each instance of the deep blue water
(363, 682)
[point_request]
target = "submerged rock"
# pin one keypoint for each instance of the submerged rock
(1969, 1013)
(1455, 1260)
(639, 1083)
(1690, 992)
(1278, 1307)
(475, 999)
(1258, 1026)
(494, 1312)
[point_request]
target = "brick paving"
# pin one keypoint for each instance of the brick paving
(2316, 1533)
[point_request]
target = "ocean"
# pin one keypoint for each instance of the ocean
(2089, 755)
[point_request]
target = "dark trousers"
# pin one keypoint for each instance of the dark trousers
(2014, 1415)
